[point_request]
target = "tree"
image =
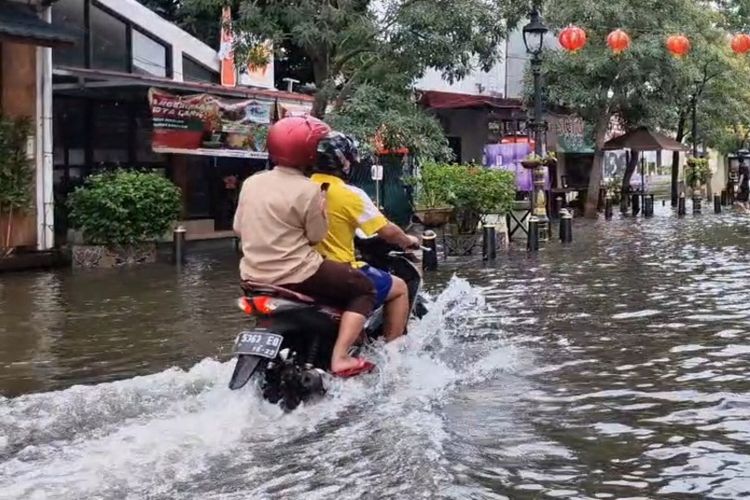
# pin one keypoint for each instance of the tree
(394, 119)
(636, 86)
(352, 42)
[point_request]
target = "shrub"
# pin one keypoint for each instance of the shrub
(473, 191)
(124, 207)
(697, 172)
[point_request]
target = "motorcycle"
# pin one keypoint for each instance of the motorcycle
(291, 343)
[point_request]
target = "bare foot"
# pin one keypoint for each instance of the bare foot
(350, 364)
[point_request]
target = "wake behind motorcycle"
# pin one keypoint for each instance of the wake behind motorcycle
(290, 346)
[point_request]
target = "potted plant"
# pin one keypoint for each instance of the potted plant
(532, 161)
(16, 175)
(697, 173)
(433, 194)
(121, 214)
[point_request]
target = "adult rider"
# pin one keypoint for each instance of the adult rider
(280, 216)
(349, 209)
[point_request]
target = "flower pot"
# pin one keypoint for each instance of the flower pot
(530, 165)
(434, 217)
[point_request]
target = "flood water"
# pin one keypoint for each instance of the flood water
(618, 367)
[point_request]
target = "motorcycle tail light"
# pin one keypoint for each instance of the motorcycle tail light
(264, 305)
(245, 305)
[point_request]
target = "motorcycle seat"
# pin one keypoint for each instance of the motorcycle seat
(254, 287)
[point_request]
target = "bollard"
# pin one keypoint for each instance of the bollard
(717, 204)
(533, 241)
(681, 206)
(648, 206)
(489, 242)
(178, 245)
(724, 197)
(636, 204)
(663, 203)
(237, 245)
(558, 206)
(608, 207)
(566, 227)
(696, 206)
(429, 257)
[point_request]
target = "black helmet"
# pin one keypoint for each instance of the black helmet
(337, 155)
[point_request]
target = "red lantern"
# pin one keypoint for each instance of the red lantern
(678, 45)
(572, 38)
(741, 43)
(618, 41)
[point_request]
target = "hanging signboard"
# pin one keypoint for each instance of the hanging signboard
(207, 125)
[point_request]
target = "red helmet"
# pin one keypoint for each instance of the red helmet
(293, 142)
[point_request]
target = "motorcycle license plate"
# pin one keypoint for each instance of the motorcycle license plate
(254, 343)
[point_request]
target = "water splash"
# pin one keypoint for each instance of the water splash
(172, 434)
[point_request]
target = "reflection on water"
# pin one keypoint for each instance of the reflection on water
(617, 367)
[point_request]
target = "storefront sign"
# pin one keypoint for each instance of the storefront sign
(569, 134)
(208, 123)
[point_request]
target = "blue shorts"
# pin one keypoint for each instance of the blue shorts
(381, 280)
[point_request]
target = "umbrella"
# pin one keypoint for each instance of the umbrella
(643, 139)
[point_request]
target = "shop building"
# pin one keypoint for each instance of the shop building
(103, 119)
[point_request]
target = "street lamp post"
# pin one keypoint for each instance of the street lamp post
(533, 39)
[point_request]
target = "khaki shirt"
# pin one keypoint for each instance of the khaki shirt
(279, 219)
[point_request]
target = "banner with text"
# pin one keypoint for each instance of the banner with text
(209, 125)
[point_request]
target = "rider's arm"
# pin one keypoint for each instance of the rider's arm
(396, 236)
(316, 224)
(237, 224)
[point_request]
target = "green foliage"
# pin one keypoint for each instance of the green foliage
(124, 207)
(697, 172)
(396, 119)
(16, 171)
(386, 42)
(473, 191)
(16, 168)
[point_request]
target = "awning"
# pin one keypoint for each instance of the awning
(450, 100)
(21, 23)
(95, 78)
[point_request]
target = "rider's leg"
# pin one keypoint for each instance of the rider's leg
(342, 285)
(349, 329)
(396, 310)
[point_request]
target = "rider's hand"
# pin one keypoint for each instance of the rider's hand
(413, 243)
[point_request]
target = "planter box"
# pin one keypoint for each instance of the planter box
(92, 256)
(434, 217)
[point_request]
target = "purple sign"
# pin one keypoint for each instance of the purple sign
(508, 157)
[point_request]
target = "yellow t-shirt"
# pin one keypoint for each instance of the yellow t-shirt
(349, 209)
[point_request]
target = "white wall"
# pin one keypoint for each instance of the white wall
(180, 40)
(492, 81)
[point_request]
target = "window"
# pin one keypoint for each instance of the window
(110, 132)
(68, 14)
(193, 71)
(109, 41)
(149, 56)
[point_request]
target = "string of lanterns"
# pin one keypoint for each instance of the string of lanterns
(574, 39)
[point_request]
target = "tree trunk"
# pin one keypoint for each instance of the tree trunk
(595, 179)
(319, 105)
(7, 250)
(629, 169)
(676, 158)
(321, 74)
